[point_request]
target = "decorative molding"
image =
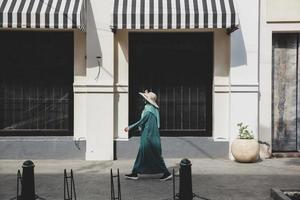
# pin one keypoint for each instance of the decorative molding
(100, 89)
(221, 88)
(238, 88)
(244, 88)
(121, 139)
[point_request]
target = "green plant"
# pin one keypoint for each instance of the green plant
(244, 132)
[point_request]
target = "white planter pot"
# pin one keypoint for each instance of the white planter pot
(245, 150)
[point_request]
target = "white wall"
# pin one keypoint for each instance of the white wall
(79, 76)
(94, 91)
(265, 115)
(221, 85)
(121, 84)
(282, 10)
(244, 69)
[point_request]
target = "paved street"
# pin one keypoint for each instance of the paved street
(215, 179)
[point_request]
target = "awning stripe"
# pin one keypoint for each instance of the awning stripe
(232, 13)
(38, 14)
(160, 14)
(196, 14)
(223, 13)
(12, 6)
(34, 10)
(174, 14)
(66, 14)
(169, 17)
(19, 13)
(129, 3)
(205, 14)
(133, 11)
(178, 16)
(187, 14)
(1, 11)
(142, 16)
(215, 12)
(59, 14)
(56, 14)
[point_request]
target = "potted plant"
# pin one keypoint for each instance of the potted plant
(245, 148)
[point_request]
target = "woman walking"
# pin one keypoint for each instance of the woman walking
(149, 159)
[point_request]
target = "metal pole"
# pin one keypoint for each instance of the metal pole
(73, 182)
(71, 185)
(28, 187)
(185, 184)
(119, 186)
(65, 184)
(18, 183)
(112, 185)
(173, 184)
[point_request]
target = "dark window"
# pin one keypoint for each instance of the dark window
(36, 93)
(178, 67)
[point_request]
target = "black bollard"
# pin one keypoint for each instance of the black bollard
(185, 182)
(28, 187)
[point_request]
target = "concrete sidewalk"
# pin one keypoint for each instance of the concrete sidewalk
(215, 179)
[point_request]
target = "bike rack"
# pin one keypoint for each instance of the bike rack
(112, 186)
(69, 186)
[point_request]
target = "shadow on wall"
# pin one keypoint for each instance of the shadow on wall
(121, 39)
(92, 40)
(238, 49)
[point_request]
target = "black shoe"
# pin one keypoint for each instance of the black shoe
(166, 176)
(132, 176)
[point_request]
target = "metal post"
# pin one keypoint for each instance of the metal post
(28, 187)
(119, 186)
(185, 183)
(174, 185)
(67, 191)
(73, 183)
(19, 178)
(112, 190)
(65, 174)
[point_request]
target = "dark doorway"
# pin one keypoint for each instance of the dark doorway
(36, 83)
(178, 67)
(286, 92)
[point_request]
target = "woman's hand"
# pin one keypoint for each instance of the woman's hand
(126, 129)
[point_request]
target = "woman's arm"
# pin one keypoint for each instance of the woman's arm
(141, 122)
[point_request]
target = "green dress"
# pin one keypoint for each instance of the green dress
(149, 159)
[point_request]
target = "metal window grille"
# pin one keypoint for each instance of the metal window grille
(178, 68)
(36, 83)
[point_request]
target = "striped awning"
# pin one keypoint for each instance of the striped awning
(56, 14)
(174, 14)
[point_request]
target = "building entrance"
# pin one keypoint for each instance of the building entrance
(286, 92)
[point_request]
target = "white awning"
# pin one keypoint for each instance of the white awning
(174, 14)
(56, 14)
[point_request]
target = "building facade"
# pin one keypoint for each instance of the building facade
(279, 55)
(209, 61)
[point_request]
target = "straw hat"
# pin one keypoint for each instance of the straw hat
(150, 97)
